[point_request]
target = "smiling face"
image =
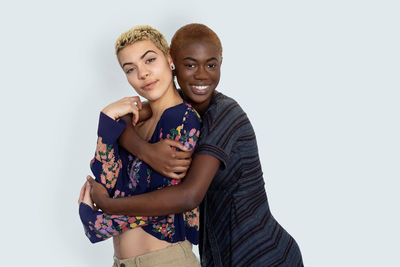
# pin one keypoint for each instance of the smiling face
(147, 69)
(198, 65)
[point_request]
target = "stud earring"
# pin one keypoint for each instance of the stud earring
(172, 67)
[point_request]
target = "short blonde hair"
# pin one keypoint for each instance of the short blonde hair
(140, 33)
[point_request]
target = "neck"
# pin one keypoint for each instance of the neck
(202, 107)
(169, 99)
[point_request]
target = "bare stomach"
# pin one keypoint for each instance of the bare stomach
(136, 242)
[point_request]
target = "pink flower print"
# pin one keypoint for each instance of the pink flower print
(101, 147)
(97, 225)
(175, 181)
(110, 176)
(102, 157)
(192, 132)
(123, 226)
(103, 178)
(193, 221)
(192, 218)
(191, 142)
(198, 133)
(177, 137)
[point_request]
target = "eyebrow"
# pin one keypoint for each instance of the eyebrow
(210, 59)
(148, 51)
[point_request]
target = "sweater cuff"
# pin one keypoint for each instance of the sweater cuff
(109, 129)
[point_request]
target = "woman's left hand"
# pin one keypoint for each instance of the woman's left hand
(85, 197)
(98, 194)
(123, 107)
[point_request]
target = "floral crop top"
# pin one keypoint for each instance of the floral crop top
(122, 174)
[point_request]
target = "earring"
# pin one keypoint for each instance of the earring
(172, 67)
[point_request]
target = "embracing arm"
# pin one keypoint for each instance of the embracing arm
(160, 156)
(174, 199)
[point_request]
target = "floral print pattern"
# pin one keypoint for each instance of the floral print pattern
(111, 166)
(125, 175)
(191, 218)
(165, 227)
(133, 172)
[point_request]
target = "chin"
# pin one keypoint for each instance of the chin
(153, 96)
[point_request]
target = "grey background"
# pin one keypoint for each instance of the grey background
(318, 79)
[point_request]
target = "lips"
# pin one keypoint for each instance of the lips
(200, 89)
(150, 85)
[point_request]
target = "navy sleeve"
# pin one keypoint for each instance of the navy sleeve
(106, 164)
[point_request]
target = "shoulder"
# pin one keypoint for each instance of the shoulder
(181, 114)
(223, 109)
(190, 112)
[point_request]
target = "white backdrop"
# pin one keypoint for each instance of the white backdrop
(318, 79)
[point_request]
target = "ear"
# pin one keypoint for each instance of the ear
(171, 62)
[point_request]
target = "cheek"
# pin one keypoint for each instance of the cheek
(132, 81)
(216, 75)
(185, 75)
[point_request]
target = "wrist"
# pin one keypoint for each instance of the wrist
(108, 112)
(105, 205)
(144, 152)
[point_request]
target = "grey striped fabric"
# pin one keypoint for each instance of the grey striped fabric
(236, 226)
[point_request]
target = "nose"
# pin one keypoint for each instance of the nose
(201, 73)
(143, 73)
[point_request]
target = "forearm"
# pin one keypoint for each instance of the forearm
(173, 199)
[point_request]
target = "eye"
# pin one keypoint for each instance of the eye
(212, 65)
(190, 65)
(130, 70)
(150, 60)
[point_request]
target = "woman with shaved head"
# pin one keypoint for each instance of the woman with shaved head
(225, 176)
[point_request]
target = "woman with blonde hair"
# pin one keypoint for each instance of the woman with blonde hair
(164, 240)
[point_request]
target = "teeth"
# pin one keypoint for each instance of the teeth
(200, 87)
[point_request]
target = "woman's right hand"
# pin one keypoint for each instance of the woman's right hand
(124, 106)
(167, 160)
